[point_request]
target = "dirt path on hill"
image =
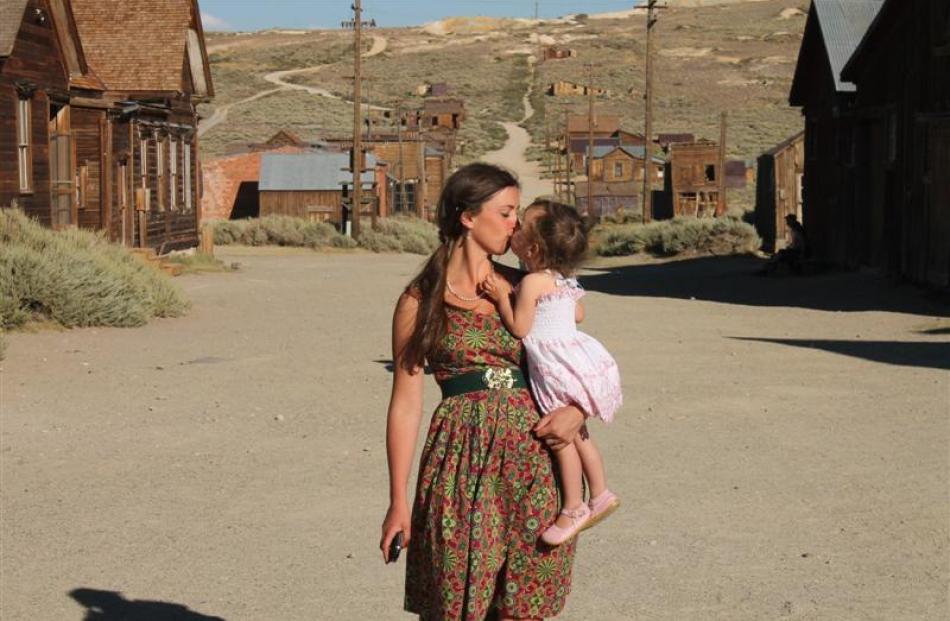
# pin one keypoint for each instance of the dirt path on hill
(220, 114)
(512, 154)
(781, 454)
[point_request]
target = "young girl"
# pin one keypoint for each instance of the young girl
(566, 367)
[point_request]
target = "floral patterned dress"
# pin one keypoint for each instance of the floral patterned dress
(486, 491)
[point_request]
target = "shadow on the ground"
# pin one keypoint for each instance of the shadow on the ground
(112, 606)
(733, 280)
(907, 354)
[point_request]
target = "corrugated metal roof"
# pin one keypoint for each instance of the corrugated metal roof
(843, 24)
(11, 16)
(309, 171)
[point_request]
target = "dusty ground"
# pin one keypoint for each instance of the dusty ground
(782, 453)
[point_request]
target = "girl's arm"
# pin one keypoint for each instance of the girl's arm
(578, 311)
(402, 425)
(518, 317)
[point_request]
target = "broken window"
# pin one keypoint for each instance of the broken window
(710, 172)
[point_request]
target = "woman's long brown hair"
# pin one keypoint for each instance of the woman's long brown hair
(465, 192)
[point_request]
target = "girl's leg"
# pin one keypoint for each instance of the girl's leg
(592, 462)
(572, 483)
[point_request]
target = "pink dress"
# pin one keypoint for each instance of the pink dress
(566, 366)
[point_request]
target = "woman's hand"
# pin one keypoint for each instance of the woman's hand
(496, 287)
(560, 427)
(397, 519)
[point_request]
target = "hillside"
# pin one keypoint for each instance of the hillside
(737, 57)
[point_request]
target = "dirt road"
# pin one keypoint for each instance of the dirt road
(512, 156)
(782, 452)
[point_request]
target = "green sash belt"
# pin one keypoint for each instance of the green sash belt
(488, 379)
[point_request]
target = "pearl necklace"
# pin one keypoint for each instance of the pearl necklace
(466, 298)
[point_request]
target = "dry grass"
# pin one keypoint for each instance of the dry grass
(719, 236)
(724, 58)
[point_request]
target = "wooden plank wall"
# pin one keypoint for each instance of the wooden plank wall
(279, 203)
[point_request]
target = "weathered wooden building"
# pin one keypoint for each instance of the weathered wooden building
(667, 140)
(442, 112)
(113, 143)
(623, 164)
(563, 88)
(42, 68)
(778, 190)
(557, 52)
(901, 145)
(311, 185)
(833, 30)
(693, 179)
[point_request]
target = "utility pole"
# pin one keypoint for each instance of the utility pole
(648, 116)
(590, 138)
(721, 203)
(568, 192)
(356, 203)
(535, 10)
(402, 188)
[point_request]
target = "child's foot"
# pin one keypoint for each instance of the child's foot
(601, 506)
(568, 524)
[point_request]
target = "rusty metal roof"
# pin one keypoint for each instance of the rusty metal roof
(11, 16)
(843, 25)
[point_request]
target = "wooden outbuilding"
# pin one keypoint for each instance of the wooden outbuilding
(833, 30)
(694, 179)
(557, 52)
(563, 88)
(442, 112)
(113, 145)
(778, 190)
(312, 185)
(901, 147)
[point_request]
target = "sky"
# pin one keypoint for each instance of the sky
(257, 15)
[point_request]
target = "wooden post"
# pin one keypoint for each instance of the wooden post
(648, 116)
(207, 239)
(590, 138)
(721, 203)
(356, 198)
(568, 191)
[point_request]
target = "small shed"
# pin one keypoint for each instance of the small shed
(309, 185)
(778, 191)
(448, 113)
(556, 52)
(563, 88)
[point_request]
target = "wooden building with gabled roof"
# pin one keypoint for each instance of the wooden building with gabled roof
(110, 88)
(833, 30)
(901, 178)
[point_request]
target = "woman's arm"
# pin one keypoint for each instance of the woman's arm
(402, 425)
(560, 427)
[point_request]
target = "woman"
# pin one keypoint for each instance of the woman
(486, 488)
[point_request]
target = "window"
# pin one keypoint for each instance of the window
(187, 175)
(173, 174)
(160, 171)
(892, 137)
(24, 147)
(143, 162)
(82, 185)
(710, 172)
(618, 169)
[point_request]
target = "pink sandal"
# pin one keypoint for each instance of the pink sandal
(556, 535)
(600, 507)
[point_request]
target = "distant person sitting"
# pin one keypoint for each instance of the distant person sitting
(793, 254)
